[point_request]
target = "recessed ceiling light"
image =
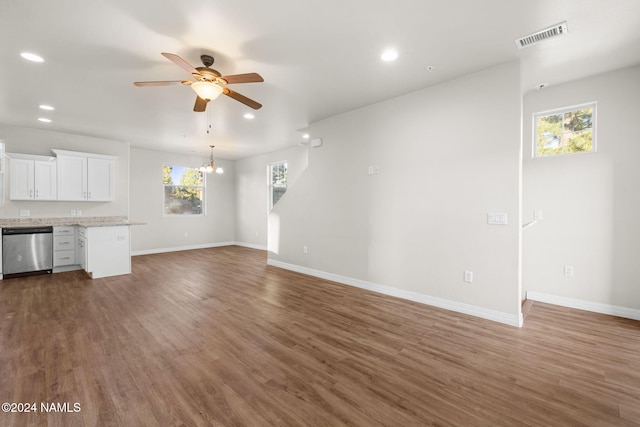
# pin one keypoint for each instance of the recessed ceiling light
(32, 57)
(305, 136)
(43, 119)
(47, 107)
(249, 116)
(389, 55)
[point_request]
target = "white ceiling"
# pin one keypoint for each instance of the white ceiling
(318, 59)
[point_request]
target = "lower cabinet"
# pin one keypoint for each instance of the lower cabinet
(107, 251)
(64, 246)
(81, 248)
(100, 251)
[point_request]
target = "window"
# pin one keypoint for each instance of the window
(183, 190)
(565, 131)
(277, 183)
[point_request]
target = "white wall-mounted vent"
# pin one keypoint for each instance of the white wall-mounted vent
(547, 33)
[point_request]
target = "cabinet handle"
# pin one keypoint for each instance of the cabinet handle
(31, 194)
(84, 194)
(89, 195)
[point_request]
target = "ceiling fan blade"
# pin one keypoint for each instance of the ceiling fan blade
(201, 105)
(243, 78)
(162, 83)
(180, 62)
(241, 98)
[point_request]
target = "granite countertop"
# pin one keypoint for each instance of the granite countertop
(89, 221)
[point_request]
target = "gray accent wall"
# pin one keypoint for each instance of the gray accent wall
(168, 233)
(446, 156)
(590, 201)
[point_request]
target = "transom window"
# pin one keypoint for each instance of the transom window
(183, 190)
(565, 131)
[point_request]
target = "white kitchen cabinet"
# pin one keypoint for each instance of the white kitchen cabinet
(100, 179)
(107, 251)
(85, 176)
(32, 177)
(64, 244)
(81, 248)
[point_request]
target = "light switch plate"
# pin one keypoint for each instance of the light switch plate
(468, 276)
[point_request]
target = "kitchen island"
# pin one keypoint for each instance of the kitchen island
(101, 246)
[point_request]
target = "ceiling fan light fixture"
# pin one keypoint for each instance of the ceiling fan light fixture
(207, 90)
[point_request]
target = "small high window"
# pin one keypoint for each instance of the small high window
(565, 131)
(183, 190)
(277, 182)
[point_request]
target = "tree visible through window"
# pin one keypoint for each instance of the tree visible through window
(278, 182)
(183, 190)
(564, 131)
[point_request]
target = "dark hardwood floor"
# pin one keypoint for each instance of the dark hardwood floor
(216, 337)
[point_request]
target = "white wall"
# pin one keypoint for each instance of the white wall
(166, 233)
(252, 192)
(40, 142)
(590, 202)
(447, 155)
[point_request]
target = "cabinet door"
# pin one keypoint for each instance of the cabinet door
(45, 180)
(100, 180)
(72, 178)
(21, 179)
(81, 253)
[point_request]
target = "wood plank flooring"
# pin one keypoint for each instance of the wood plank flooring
(217, 337)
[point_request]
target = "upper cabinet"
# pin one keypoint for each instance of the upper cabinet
(32, 177)
(85, 176)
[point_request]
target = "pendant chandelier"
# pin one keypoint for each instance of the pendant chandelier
(211, 167)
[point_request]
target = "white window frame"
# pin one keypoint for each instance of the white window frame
(204, 192)
(270, 179)
(564, 110)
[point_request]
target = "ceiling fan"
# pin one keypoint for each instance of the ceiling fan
(209, 83)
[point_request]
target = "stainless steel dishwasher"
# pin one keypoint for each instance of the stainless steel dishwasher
(27, 251)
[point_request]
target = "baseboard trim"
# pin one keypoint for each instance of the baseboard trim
(181, 248)
(596, 307)
(472, 310)
(250, 246)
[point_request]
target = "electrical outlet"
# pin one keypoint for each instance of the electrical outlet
(78, 212)
(25, 212)
(305, 250)
(497, 218)
(468, 276)
(73, 212)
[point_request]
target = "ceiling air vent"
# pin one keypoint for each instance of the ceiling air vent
(547, 33)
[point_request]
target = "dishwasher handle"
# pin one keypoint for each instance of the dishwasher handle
(8, 231)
